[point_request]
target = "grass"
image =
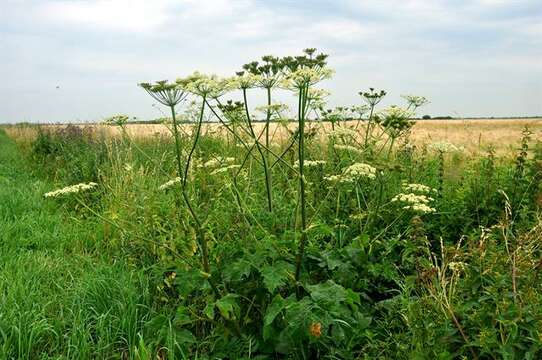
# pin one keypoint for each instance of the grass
(60, 298)
(115, 273)
(333, 240)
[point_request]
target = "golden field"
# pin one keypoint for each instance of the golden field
(475, 135)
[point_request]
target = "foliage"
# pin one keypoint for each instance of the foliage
(343, 243)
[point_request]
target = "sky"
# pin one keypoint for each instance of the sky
(76, 60)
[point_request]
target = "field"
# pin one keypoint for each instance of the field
(379, 239)
(474, 135)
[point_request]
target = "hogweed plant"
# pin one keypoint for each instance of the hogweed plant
(372, 98)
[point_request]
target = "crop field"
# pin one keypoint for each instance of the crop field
(378, 238)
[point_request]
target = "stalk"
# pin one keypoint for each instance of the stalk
(184, 176)
(264, 158)
(301, 155)
(369, 121)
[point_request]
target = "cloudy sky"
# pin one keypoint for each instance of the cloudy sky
(469, 57)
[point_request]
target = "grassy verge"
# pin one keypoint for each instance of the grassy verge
(59, 299)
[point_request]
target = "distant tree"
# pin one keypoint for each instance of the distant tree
(426, 117)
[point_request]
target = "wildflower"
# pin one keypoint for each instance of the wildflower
(245, 80)
(418, 188)
(412, 198)
(166, 93)
(415, 202)
(360, 110)
(310, 163)
(303, 77)
(218, 161)
(273, 108)
(119, 120)
(420, 208)
(352, 173)
(169, 184)
(415, 101)
(206, 85)
(71, 189)
(396, 112)
(359, 170)
(372, 97)
(315, 329)
(349, 148)
(225, 169)
(444, 147)
(338, 178)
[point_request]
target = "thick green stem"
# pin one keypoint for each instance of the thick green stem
(263, 156)
(184, 176)
(367, 129)
(301, 154)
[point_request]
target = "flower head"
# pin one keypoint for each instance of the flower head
(166, 93)
(119, 120)
(205, 85)
(444, 147)
(71, 189)
(415, 202)
(169, 184)
(415, 101)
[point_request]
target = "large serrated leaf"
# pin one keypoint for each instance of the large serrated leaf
(276, 275)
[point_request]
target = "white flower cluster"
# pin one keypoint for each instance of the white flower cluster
(245, 81)
(396, 112)
(206, 85)
(415, 202)
(215, 162)
(445, 147)
(420, 188)
(305, 77)
(359, 170)
(71, 189)
(273, 108)
(310, 163)
(169, 184)
(317, 94)
(225, 169)
(353, 172)
(347, 148)
(415, 101)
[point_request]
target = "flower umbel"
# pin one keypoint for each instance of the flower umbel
(71, 189)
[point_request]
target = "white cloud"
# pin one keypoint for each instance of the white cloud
(104, 46)
(116, 15)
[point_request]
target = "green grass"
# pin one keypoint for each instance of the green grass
(117, 273)
(59, 298)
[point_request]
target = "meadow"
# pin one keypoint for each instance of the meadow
(348, 233)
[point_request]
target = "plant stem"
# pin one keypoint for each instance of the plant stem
(301, 155)
(264, 158)
(184, 176)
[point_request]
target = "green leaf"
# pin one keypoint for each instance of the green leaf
(328, 293)
(228, 307)
(184, 336)
(275, 276)
(209, 311)
(274, 309)
(276, 306)
(182, 316)
(238, 271)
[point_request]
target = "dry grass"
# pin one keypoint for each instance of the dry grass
(474, 135)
